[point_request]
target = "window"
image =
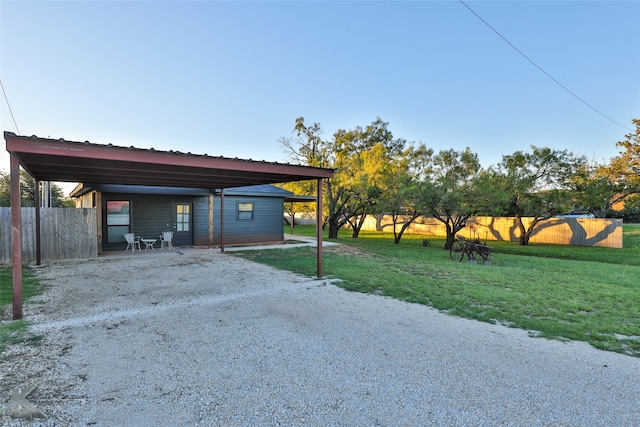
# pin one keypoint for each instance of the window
(118, 220)
(245, 211)
(183, 217)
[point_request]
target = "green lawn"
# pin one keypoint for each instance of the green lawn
(553, 291)
(16, 331)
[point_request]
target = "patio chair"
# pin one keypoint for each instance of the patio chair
(165, 240)
(132, 242)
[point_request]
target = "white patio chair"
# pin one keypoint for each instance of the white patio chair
(165, 240)
(132, 242)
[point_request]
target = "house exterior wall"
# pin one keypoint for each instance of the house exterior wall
(266, 225)
(86, 201)
(151, 214)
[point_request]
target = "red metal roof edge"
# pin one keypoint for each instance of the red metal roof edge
(152, 150)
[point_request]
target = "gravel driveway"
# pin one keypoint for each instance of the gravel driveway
(199, 338)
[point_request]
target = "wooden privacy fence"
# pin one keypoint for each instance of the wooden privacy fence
(65, 233)
(602, 232)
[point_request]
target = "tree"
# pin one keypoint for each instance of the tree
(627, 163)
(369, 172)
(404, 188)
(308, 148)
(623, 172)
(27, 191)
(593, 189)
(358, 155)
(27, 185)
(363, 201)
(536, 184)
(598, 187)
(402, 205)
(453, 190)
(301, 188)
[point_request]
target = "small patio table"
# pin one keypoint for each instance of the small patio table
(148, 243)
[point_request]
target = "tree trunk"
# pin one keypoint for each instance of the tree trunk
(333, 229)
(357, 226)
(448, 244)
(451, 236)
(524, 234)
(405, 226)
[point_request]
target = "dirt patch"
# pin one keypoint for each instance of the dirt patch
(349, 250)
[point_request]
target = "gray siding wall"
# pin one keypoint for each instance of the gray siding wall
(201, 220)
(151, 214)
(266, 225)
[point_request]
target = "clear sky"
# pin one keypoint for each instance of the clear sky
(230, 78)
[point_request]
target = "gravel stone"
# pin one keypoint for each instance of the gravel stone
(196, 337)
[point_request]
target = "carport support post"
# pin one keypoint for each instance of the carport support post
(16, 237)
(36, 198)
(211, 219)
(98, 206)
(293, 216)
(222, 220)
(319, 229)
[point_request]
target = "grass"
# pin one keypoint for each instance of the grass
(13, 332)
(552, 291)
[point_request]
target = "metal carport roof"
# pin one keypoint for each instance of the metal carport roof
(68, 161)
(60, 160)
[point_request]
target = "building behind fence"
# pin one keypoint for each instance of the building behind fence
(65, 233)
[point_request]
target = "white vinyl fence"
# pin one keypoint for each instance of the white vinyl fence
(66, 233)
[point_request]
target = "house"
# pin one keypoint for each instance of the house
(252, 214)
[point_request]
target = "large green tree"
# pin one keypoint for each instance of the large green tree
(357, 155)
(536, 184)
(454, 190)
(598, 187)
(403, 197)
(624, 169)
(593, 189)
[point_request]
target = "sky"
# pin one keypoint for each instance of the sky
(230, 78)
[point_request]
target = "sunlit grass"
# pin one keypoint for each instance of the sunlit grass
(554, 291)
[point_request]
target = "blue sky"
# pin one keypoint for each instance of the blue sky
(230, 78)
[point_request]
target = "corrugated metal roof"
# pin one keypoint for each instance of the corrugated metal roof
(68, 161)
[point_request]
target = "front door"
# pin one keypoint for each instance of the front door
(182, 218)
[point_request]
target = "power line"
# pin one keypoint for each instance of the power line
(540, 68)
(8, 105)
